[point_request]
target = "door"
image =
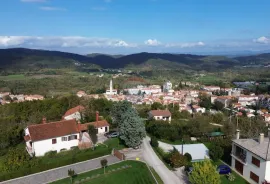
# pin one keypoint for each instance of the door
(239, 166)
(106, 129)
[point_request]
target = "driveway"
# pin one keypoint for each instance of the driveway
(147, 154)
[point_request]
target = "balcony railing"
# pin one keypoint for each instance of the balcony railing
(241, 156)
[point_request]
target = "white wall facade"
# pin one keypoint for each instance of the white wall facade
(250, 167)
(102, 130)
(76, 115)
(44, 146)
(159, 118)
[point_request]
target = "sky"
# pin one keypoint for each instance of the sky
(131, 26)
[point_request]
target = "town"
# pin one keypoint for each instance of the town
(225, 118)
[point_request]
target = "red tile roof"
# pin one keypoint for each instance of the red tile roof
(54, 129)
(160, 113)
(97, 124)
(79, 108)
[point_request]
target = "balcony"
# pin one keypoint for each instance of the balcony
(239, 154)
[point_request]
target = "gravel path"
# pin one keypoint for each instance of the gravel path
(62, 172)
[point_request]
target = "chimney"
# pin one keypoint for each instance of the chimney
(261, 138)
(237, 134)
(97, 115)
(44, 120)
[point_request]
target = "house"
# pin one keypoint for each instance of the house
(54, 136)
(81, 94)
(167, 86)
(164, 115)
(266, 117)
(33, 97)
(198, 109)
(225, 100)
(102, 126)
(251, 158)
(74, 113)
(211, 88)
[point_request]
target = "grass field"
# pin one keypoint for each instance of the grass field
(13, 77)
(137, 173)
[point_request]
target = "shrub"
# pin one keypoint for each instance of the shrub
(188, 157)
(51, 154)
(216, 152)
(154, 142)
(177, 159)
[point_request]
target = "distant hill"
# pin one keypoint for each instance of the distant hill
(20, 59)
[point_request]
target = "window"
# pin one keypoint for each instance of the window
(54, 141)
(64, 138)
(72, 137)
(255, 161)
(254, 177)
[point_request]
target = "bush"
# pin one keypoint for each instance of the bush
(51, 154)
(216, 152)
(154, 142)
(188, 157)
(177, 159)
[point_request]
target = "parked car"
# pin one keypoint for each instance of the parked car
(224, 169)
(188, 170)
(112, 134)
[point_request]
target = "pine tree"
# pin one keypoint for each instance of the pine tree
(131, 128)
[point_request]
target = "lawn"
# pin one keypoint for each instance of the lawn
(137, 173)
(224, 179)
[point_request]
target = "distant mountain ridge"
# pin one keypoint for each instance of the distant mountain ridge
(27, 58)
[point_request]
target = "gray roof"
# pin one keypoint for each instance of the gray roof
(255, 147)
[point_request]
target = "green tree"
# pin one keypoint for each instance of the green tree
(118, 109)
(131, 128)
(205, 101)
(216, 152)
(204, 173)
(71, 174)
(154, 142)
(176, 159)
(188, 157)
(93, 134)
(157, 106)
(218, 105)
(217, 118)
(104, 163)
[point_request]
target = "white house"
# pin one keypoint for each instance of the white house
(211, 88)
(54, 136)
(266, 117)
(164, 115)
(198, 109)
(251, 158)
(74, 113)
(102, 126)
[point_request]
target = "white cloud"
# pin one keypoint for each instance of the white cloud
(33, 1)
(185, 45)
(62, 42)
(262, 39)
(153, 42)
(51, 8)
